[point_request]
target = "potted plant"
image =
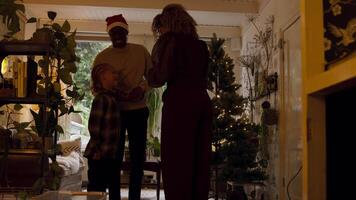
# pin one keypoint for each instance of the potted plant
(59, 65)
(10, 19)
(21, 137)
(154, 106)
(56, 84)
(153, 146)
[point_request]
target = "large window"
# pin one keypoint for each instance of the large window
(86, 51)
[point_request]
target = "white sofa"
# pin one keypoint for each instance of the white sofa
(72, 163)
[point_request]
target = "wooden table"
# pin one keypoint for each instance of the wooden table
(67, 195)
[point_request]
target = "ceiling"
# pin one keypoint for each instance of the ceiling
(131, 14)
(205, 12)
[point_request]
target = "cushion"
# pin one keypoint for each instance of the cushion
(70, 163)
(68, 146)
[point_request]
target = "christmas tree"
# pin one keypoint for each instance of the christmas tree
(235, 139)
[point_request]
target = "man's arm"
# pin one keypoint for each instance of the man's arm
(138, 93)
(148, 65)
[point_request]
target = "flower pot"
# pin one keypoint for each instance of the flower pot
(42, 35)
(21, 139)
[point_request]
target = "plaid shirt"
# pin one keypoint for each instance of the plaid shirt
(104, 127)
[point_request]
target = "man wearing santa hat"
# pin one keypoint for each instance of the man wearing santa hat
(131, 62)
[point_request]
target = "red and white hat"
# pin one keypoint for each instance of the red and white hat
(116, 20)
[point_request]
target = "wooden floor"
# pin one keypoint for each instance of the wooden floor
(146, 194)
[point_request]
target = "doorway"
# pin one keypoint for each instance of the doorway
(340, 110)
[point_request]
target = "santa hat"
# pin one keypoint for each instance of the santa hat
(116, 20)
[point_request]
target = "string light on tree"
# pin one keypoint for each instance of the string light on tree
(232, 145)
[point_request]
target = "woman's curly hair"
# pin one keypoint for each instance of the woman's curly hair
(156, 24)
(177, 20)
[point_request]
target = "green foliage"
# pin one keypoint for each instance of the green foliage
(226, 103)
(51, 180)
(58, 69)
(86, 51)
(235, 140)
(22, 196)
(9, 112)
(154, 105)
(8, 10)
(154, 146)
(54, 173)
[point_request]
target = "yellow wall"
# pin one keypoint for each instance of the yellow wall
(317, 84)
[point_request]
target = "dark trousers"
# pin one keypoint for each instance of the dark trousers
(186, 143)
(135, 123)
(104, 174)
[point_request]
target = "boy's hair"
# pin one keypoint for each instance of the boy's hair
(98, 70)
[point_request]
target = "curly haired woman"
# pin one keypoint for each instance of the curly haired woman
(180, 60)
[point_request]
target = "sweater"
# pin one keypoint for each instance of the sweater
(132, 63)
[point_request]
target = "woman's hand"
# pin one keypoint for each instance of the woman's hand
(135, 94)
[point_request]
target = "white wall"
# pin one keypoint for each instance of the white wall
(139, 32)
(284, 12)
(199, 5)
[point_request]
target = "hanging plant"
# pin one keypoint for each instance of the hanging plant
(257, 61)
(60, 65)
(9, 11)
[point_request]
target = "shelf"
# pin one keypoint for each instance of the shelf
(23, 151)
(10, 193)
(35, 157)
(23, 48)
(26, 100)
